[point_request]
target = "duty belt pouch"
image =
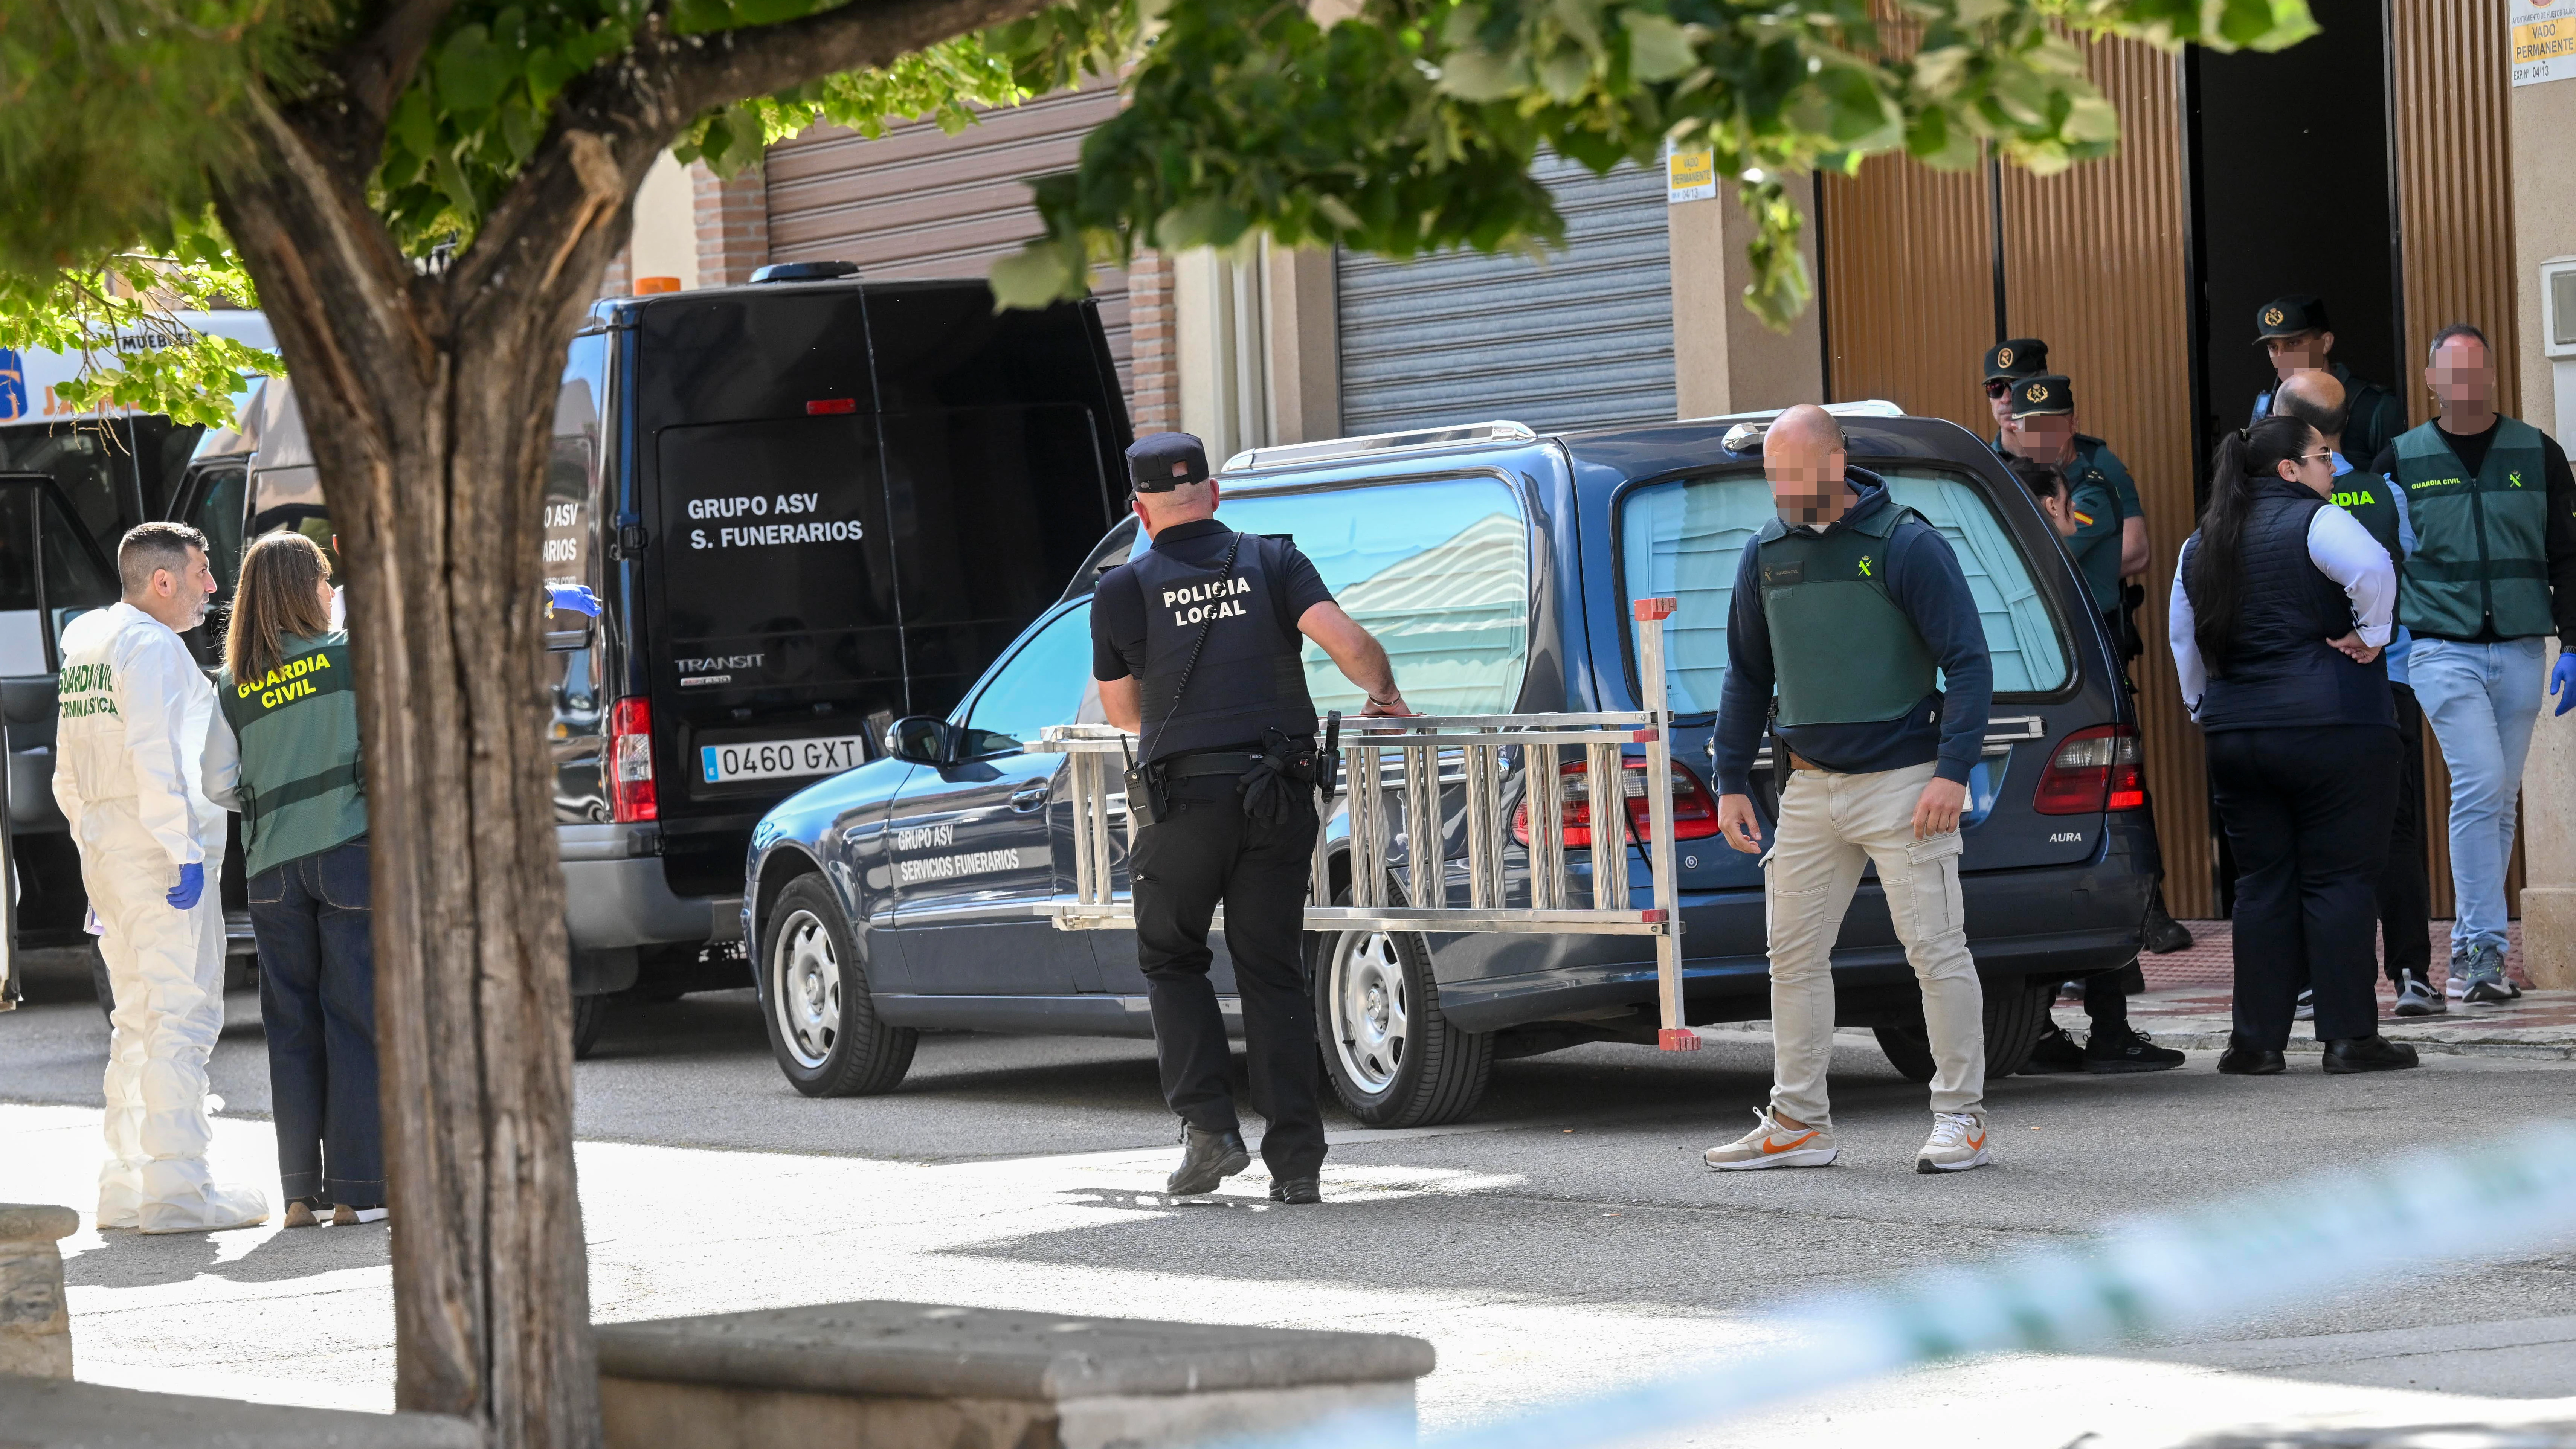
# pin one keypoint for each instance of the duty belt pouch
(1146, 802)
(1145, 799)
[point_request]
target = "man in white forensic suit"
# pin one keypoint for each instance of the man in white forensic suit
(133, 722)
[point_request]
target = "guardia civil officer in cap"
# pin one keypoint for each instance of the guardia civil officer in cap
(1196, 641)
(2294, 331)
(2040, 428)
(2088, 520)
(2008, 362)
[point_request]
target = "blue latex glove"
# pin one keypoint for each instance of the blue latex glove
(2562, 683)
(575, 598)
(192, 884)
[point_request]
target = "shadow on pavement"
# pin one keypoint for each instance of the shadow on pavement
(133, 1260)
(307, 1252)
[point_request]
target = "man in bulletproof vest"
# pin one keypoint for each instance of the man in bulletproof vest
(2042, 430)
(2404, 896)
(1844, 606)
(2493, 575)
(1197, 641)
(2294, 331)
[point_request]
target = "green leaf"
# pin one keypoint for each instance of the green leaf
(1658, 49)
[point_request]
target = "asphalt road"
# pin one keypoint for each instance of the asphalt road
(1567, 1236)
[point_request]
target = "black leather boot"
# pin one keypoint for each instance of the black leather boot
(1296, 1190)
(2372, 1053)
(2244, 1059)
(1207, 1158)
(2163, 935)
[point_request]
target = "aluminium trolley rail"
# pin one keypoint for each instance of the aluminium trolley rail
(1394, 769)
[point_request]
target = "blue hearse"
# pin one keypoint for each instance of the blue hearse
(1497, 565)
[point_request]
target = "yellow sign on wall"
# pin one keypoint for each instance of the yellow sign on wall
(2544, 40)
(1692, 175)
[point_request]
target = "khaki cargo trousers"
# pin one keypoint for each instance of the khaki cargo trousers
(1830, 826)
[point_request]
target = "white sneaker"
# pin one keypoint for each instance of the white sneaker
(1958, 1142)
(2416, 998)
(1770, 1144)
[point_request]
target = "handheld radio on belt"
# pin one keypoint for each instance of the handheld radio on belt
(1145, 800)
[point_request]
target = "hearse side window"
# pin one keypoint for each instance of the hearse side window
(1683, 540)
(1437, 569)
(1047, 683)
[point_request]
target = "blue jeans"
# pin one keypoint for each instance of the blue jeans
(2482, 701)
(317, 999)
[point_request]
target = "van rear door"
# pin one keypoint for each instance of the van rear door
(778, 597)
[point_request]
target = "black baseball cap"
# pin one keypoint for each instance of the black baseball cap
(2289, 316)
(1160, 462)
(2016, 357)
(2047, 395)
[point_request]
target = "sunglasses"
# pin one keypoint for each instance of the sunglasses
(1997, 387)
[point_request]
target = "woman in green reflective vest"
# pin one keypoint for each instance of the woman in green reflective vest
(283, 751)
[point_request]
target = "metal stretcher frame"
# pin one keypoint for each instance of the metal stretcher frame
(1392, 768)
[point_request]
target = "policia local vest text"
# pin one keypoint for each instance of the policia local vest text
(2481, 539)
(1250, 678)
(1830, 589)
(301, 786)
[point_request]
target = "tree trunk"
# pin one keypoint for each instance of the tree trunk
(428, 395)
(429, 422)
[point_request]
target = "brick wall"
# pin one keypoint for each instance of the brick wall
(733, 225)
(1155, 403)
(621, 267)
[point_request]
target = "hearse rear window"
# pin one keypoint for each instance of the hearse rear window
(1437, 569)
(1684, 539)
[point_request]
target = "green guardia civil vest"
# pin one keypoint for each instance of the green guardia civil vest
(2368, 498)
(302, 787)
(2481, 549)
(1842, 651)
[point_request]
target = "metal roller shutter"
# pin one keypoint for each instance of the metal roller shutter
(917, 202)
(1582, 339)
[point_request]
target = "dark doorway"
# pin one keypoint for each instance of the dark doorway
(2291, 192)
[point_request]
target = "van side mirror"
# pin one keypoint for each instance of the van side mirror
(921, 740)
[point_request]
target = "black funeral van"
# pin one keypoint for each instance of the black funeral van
(810, 506)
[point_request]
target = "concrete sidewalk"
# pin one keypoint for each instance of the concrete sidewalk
(2189, 1004)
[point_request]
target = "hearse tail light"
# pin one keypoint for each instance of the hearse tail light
(1694, 809)
(2093, 771)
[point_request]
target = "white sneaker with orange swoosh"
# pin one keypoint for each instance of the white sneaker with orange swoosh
(1958, 1143)
(1773, 1143)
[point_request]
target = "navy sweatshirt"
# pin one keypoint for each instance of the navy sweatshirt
(1923, 578)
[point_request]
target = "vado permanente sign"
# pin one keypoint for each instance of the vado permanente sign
(2544, 40)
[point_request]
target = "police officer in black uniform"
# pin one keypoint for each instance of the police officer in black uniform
(2295, 332)
(1197, 644)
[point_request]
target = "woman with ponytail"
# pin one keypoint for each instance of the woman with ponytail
(2280, 609)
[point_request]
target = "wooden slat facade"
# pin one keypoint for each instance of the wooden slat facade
(1906, 263)
(2095, 262)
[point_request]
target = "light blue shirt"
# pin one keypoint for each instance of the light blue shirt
(2399, 641)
